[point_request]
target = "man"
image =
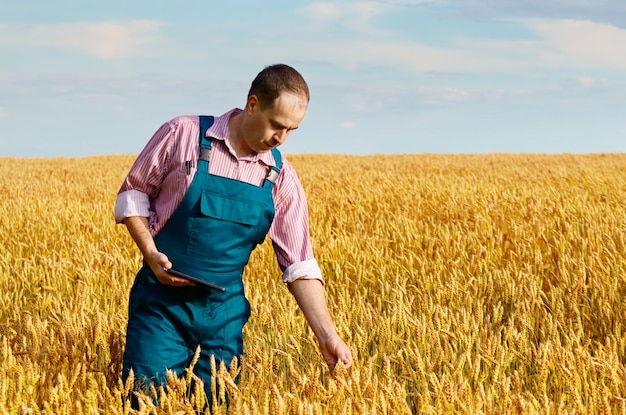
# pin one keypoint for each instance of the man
(198, 199)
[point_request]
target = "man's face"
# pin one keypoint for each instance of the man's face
(269, 127)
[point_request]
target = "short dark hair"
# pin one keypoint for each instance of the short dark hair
(275, 79)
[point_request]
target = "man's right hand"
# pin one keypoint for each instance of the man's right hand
(159, 264)
(157, 261)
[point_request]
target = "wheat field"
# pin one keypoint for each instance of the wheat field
(472, 284)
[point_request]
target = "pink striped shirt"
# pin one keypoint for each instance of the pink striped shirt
(163, 171)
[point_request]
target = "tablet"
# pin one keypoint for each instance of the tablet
(196, 280)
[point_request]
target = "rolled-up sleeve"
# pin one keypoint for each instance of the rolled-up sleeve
(307, 270)
(159, 178)
(290, 230)
(131, 203)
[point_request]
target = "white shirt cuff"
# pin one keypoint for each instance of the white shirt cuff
(305, 270)
(131, 203)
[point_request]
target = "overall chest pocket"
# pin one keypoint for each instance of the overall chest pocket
(227, 227)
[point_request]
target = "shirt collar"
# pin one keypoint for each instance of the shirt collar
(219, 131)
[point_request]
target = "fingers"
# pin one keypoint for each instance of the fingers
(168, 279)
(160, 263)
(345, 356)
(335, 352)
(346, 359)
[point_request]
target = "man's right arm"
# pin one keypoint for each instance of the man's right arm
(157, 261)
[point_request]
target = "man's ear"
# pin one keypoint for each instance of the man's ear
(252, 104)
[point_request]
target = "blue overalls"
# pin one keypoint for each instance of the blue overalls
(210, 235)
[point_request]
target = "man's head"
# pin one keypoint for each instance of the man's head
(276, 104)
(276, 79)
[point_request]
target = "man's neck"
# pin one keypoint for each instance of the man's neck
(235, 137)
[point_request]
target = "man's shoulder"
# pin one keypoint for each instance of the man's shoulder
(184, 126)
(288, 175)
(184, 119)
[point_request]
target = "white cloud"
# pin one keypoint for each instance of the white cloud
(551, 45)
(608, 11)
(589, 82)
(455, 94)
(366, 10)
(354, 15)
(585, 81)
(108, 40)
(360, 14)
(346, 125)
(411, 2)
(412, 56)
(582, 43)
(323, 11)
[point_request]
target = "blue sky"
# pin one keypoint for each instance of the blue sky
(82, 77)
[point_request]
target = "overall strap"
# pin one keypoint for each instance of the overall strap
(274, 170)
(205, 143)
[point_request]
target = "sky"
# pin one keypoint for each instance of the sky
(82, 78)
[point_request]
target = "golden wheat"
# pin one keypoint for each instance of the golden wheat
(463, 283)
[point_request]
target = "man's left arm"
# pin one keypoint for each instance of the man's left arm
(311, 298)
(292, 244)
